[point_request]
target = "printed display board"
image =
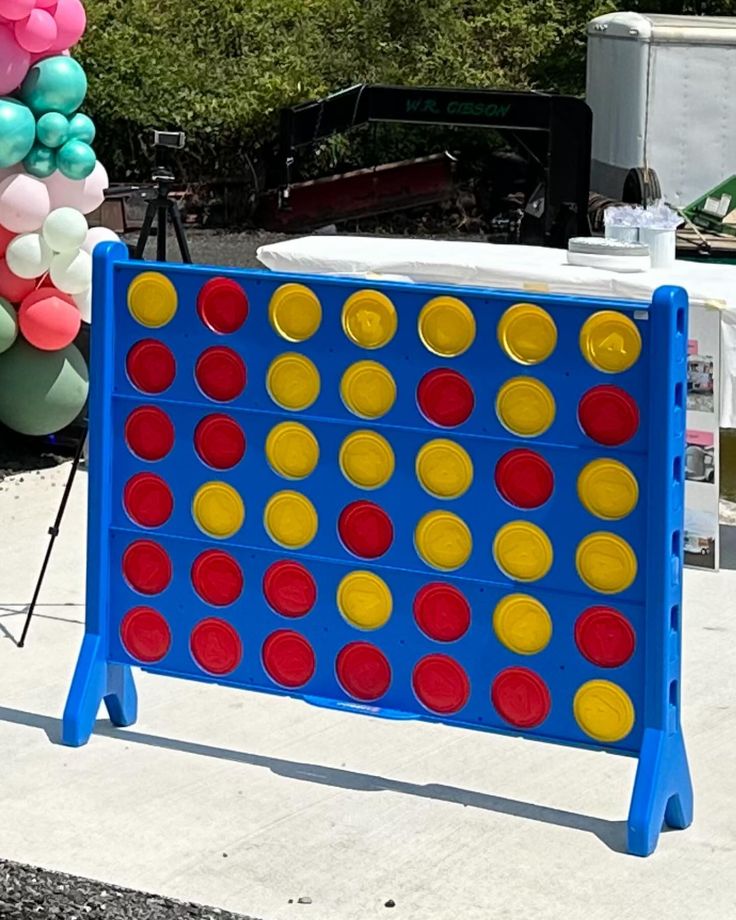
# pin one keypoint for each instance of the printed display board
(461, 505)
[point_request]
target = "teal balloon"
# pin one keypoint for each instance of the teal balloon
(82, 128)
(17, 131)
(55, 84)
(41, 391)
(8, 325)
(75, 160)
(52, 129)
(40, 162)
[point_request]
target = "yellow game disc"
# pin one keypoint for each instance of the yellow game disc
(443, 540)
(293, 381)
(368, 389)
(290, 519)
(295, 312)
(606, 562)
(446, 326)
(292, 450)
(152, 299)
(523, 551)
(527, 333)
(366, 459)
(218, 510)
(525, 406)
(608, 489)
(603, 710)
(610, 341)
(444, 468)
(369, 319)
(364, 600)
(522, 624)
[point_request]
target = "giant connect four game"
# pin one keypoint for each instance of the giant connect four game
(456, 504)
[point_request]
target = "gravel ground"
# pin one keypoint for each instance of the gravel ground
(27, 892)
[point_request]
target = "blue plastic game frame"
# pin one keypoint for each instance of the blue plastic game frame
(653, 603)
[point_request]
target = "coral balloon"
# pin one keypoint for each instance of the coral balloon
(70, 20)
(17, 131)
(52, 129)
(40, 162)
(29, 255)
(24, 202)
(12, 287)
(16, 9)
(14, 61)
(65, 229)
(41, 391)
(6, 236)
(71, 272)
(54, 84)
(37, 33)
(48, 319)
(76, 160)
(97, 235)
(8, 325)
(85, 195)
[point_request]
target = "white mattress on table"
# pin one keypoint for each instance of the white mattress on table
(523, 268)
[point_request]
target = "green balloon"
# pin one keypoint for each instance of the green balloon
(52, 129)
(55, 84)
(17, 131)
(82, 128)
(75, 160)
(41, 391)
(8, 325)
(40, 162)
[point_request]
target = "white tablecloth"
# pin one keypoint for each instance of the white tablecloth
(523, 268)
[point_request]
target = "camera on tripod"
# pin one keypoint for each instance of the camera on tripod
(175, 140)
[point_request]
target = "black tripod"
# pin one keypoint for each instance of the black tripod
(54, 532)
(163, 210)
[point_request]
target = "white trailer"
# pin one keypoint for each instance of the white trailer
(661, 91)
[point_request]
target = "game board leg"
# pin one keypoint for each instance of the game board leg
(662, 790)
(95, 681)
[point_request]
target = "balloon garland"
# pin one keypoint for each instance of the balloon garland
(50, 179)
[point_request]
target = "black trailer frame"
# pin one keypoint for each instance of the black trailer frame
(557, 137)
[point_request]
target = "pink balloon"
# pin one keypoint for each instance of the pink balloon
(17, 9)
(70, 21)
(12, 287)
(5, 237)
(14, 61)
(45, 4)
(37, 33)
(24, 203)
(83, 195)
(48, 319)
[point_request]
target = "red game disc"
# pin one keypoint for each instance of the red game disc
(222, 305)
(216, 646)
(149, 433)
(524, 478)
(217, 577)
(288, 658)
(151, 366)
(363, 671)
(440, 684)
(148, 500)
(521, 697)
(608, 415)
(365, 529)
(145, 634)
(605, 637)
(147, 567)
(220, 373)
(219, 441)
(442, 612)
(289, 588)
(445, 397)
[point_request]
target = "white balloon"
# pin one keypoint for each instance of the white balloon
(83, 195)
(71, 272)
(65, 229)
(84, 303)
(97, 235)
(24, 203)
(28, 256)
